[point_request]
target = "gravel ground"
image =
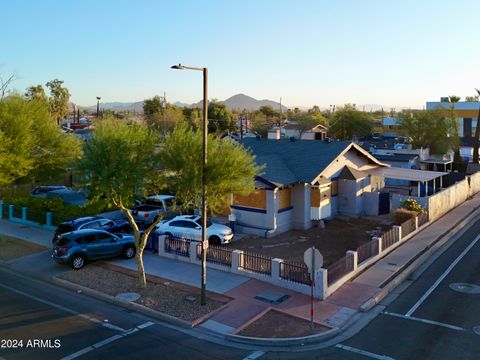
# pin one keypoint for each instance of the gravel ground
(11, 248)
(333, 241)
(275, 324)
(161, 295)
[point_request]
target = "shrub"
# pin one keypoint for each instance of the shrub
(412, 205)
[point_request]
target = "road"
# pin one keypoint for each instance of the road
(428, 320)
(87, 328)
(424, 319)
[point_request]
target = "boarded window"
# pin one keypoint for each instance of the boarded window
(315, 197)
(284, 198)
(256, 199)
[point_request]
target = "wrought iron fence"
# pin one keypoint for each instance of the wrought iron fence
(367, 250)
(339, 269)
(389, 238)
(422, 218)
(408, 227)
(174, 245)
(257, 263)
(216, 254)
(294, 271)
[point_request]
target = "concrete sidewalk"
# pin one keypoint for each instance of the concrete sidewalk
(383, 270)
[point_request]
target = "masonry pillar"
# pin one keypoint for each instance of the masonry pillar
(275, 273)
(398, 230)
(321, 284)
(237, 260)
(161, 244)
(352, 256)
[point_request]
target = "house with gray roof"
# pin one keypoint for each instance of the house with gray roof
(304, 181)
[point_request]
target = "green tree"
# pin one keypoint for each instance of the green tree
(259, 124)
(193, 117)
(119, 162)
(160, 115)
(309, 120)
(36, 92)
(230, 168)
(59, 97)
(220, 118)
(30, 143)
(348, 122)
(453, 99)
(430, 128)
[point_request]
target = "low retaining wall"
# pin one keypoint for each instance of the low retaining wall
(24, 219)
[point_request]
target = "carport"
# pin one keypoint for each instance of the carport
(419, 176)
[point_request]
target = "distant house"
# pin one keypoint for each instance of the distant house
(305, 181)
(390, 125)
(295, 130)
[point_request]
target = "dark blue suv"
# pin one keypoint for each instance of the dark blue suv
(93, 222)
(78, 247)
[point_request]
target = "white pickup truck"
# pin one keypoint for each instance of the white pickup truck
(153, 206)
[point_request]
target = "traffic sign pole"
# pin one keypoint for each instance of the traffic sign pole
(312, 284)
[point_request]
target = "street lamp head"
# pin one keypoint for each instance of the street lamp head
(178, 67)
(98, 97)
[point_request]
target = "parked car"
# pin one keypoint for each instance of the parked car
(152, 207)
(69, 197)
(93, 222)
(190, 226)
(79, 247)
(41, 191)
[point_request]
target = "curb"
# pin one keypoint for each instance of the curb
(284, 342)
(420, 259)
(128, 305)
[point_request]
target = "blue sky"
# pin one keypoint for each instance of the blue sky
(393, 53)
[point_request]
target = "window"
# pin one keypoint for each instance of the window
(104, 236)
(106, 223)
(177, 223)
(90, 239)
(91, 225)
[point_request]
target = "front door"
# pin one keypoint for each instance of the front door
(383, 203)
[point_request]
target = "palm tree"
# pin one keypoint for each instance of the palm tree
(453, 99)
(477, 134)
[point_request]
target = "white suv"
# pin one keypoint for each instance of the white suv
(190, 227)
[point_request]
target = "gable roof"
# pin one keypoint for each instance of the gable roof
(349, 173)
(287, 162)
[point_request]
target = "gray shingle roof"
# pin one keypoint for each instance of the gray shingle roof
(289, 162)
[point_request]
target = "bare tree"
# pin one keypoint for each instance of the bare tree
(4, 84)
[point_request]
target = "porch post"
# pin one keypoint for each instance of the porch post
(418, 189)
(441, 185)
(434, 185)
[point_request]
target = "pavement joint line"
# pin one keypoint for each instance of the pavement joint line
(107, 341)
(442, 277)
(254, 355)
(63, 308)
(426, 321)
(363, 352)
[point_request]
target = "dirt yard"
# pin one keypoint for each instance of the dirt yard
(166, 296)
(338, 236)
(11, 248)
(275, 324)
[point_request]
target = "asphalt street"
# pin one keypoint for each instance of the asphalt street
(87, 328)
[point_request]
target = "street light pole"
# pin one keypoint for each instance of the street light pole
(98, 105)
(204, 178)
